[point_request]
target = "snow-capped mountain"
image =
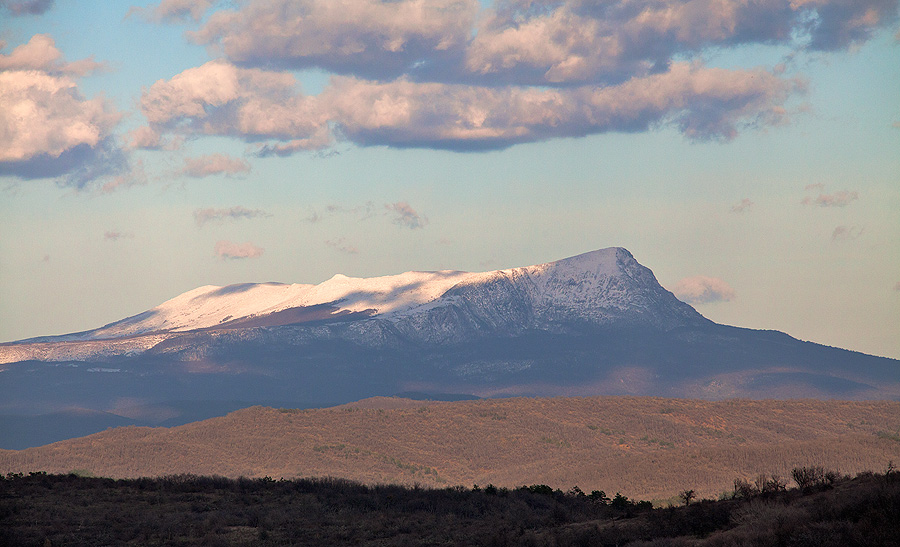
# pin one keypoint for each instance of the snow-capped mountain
(596, 323)
(597, 287)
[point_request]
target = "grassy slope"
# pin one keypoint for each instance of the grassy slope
(647, 448)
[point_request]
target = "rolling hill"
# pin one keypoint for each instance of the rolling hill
(644, 447)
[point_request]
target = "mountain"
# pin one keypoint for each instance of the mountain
(596, 323)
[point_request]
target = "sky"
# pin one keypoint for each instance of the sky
(746, 151)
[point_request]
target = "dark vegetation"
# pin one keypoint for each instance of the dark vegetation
(825, 509)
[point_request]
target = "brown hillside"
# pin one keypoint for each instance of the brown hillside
(647, 448)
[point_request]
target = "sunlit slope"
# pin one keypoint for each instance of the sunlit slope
(643, 447)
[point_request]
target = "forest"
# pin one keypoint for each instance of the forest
(812, 507)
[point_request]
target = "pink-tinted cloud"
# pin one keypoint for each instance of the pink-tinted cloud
(40, 53)
(525, 42)
(146, 138)
(703, 103)
(340, 244)
(202, 216)
(372, 38)
(442, 74)
(226, 250)
(173, 11)
(846, 233)
(26, 7)
(583, 41)
(404, 215)
(897, 286)
(214, 164)
(218, 99)
(837, 199)
(701, 289)
(742, 206)
(49, 129)
(221, 99)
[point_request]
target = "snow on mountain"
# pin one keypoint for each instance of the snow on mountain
(211, 306)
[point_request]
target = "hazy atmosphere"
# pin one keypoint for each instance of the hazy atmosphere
(748, 153)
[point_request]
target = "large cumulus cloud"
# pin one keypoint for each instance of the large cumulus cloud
(523, 41)
(261, 106)
(47, 127)
(370, 38)
(447, 74)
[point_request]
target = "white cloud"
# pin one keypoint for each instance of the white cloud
(40, 53)
(214, 164)
(227, 250)
(202, 216)
(49, 129)
(45, 115)
(221, 99)
(701, 289)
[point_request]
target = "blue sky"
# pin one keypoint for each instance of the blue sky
(750, 156)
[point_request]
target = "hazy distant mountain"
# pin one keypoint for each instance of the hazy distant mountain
(597, 323)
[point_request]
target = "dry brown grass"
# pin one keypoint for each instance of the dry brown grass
(644, 447)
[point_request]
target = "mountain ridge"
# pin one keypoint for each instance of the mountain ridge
(598, 323)
(605, 278)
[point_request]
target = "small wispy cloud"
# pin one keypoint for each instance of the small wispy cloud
(701, 289)
(400, 213)
(341, 245)
(214, 164)
(846, 233)
(173, 11)
(226, 250)
(741, 206)
(404, 215)
(202, 216)
(313, 217)
(361, 212)
(896, 286)
(113, 235)
(840, 198)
